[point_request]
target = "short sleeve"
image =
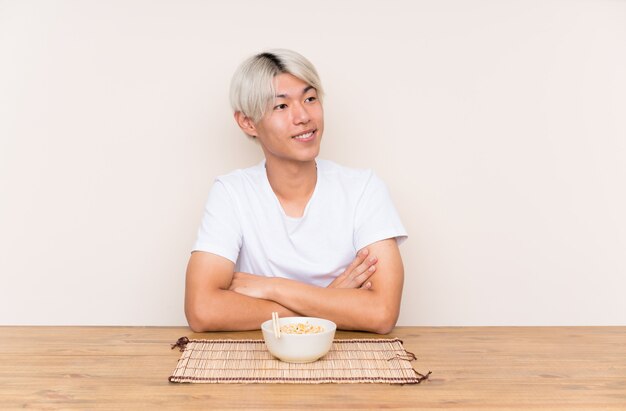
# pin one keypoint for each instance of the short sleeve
(220, 230)
(376, 218)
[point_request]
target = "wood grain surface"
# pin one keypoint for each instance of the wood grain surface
(482, 368)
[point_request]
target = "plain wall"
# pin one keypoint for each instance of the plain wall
(498, 126)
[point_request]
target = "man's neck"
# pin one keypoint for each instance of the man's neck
(292, 182)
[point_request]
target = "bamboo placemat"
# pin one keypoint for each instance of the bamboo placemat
(249, 361)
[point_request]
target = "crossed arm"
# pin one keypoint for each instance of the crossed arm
(362, 298)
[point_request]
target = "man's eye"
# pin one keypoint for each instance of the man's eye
(280, 107)
(311, 99)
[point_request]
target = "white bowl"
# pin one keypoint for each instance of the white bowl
(299, 348)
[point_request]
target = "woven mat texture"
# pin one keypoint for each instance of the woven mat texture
(249, 361)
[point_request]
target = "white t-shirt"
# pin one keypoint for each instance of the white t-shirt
(244, 222)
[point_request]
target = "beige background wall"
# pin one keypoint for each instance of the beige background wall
(499, 127)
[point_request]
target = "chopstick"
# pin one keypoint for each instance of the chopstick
(276, 324)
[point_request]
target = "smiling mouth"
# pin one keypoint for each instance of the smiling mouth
(305, 136)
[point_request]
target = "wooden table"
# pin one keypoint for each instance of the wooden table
(503, 368)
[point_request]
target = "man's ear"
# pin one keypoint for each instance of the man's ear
(246, 124)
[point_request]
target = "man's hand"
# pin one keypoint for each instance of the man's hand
(357, 273)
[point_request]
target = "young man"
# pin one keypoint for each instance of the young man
(294, 234)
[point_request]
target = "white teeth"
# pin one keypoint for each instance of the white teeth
(304, 136)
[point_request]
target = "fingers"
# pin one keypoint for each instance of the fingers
(344, 278)
(362, 272)
(358, 272)
(365, 266)
(362, 278)
(358, 260)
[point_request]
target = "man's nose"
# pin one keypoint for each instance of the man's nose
(300, 114)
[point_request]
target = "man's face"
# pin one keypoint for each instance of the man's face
(292, 128)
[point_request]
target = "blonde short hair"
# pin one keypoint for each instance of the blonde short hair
(252, 86)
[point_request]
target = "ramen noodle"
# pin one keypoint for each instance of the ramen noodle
(301, 328)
